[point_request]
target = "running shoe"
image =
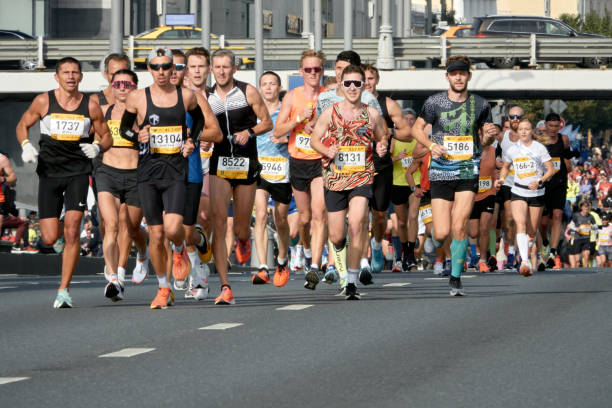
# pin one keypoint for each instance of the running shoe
(62, 300)
(243, 251)
(447, 268)
(397, 267)
(438, 268)
(351, 292)
(141, 270)
(378, 259)
(163, 299)
(408, 264)
(312, 279)
(474, 262)
(114, 291)
(30, 250)
(331, 274)
(261, 277)
(492, 263)
(299, 258)
(198, 292)
(541, 265)
(558, 264)
(324, 257)
(550, 262)
(307, 263)
(455, 286)
(483, 267)
(525, 269)
(121, 277)
(226, 297)
(204, 250)
(365, 276)
(510, 261)
(181, 267)
(281, 276)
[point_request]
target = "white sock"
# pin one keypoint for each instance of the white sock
(511, 250)
(300, 249)
(365, 263)
(163, 281)
(121, 272)
(314, 267)
(264, 266)
(353, 274)
(522, 241)
(375, 244)
(308, 253)
(281, 261)
(193, 258)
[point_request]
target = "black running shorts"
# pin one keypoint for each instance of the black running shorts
(280, 192)
(302, 172)
(121, 183)
(446, 189)
(487, 205)
(339, 200)
(192, 203)
(55, 193)
(161, 195)
(531, 201)
(554, 198)
(381, 189)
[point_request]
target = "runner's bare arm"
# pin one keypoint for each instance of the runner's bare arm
(550, 171)
(418, 132)
(502, 175)
(402, 128)
(100, 126)
(488, 132)
(211, 131)
(193, 108)
(7, 174)
(35, 112)
(319, 131)
(259, 107)
(283, 124)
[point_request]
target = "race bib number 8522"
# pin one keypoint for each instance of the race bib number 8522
(233, 167)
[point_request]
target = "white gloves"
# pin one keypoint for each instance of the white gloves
(29, 153)
(90, 150)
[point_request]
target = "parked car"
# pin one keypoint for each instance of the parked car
(27, 64)
(179, 33)
(524, 26)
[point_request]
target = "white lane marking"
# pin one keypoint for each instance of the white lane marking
(221, 326)
(79, 282)
(5, 275)
(343, 295)
(8, 287)
(294, 307)
(30, 283)
(8, 380)
(462, 276)
(396, 284)
(128, 352)
(234, 273)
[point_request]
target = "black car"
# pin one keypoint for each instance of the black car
(524, 26)
(27, 64)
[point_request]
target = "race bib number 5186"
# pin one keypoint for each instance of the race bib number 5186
(459, 147)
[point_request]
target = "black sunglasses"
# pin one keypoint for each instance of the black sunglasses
(179, 67)
(165, 66)
(308, 70)
(348, 82)
(515, 116)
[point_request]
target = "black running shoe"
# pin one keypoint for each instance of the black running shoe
(456, 288)
(365, 276)
(408, 263)
(550, 262)
(312, 279)
(351, 292)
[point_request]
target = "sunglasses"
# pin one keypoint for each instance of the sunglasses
(165, 66)
(124, 84)
(356, 83)
(515, 116)
(179, 67)
(309, 70)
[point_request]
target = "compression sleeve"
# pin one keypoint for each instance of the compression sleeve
(568, 154)
(127, 123)
(198, 123)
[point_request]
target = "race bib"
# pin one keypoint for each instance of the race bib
(485, 184)
(406, 162)
(604, 237)
(584, 229)
(302, 143)
(525, 167)
(166, 139)
(233, 167)
(274, 169)
(556, 162)
(425, 213)
(118, 141)
(67, 127)
(458, 147)
(350, 159)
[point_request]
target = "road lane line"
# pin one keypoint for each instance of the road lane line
(128, 352)
(294, 307)
(79, 282)
(8, 380)
(221, 326)
(396, 284)
(8, 287)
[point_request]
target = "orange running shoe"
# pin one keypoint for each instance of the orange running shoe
(281, 277)
(181, 265)
(163, 299)
(226, 297)
(483, 267)
(243, 251)
(261, 278)
(558, 264)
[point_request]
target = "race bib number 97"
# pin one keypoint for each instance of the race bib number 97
(118, 141)
(274, 169)
(233, 167)
(302, 143)
(166, 139)
(525, 167)
(67, 127)
(350, 159)
(459, 147)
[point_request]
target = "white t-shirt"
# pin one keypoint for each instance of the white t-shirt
(506, 143)
(528, 163)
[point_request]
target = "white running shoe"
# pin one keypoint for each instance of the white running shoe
(113, 291)
(141, 271)
(121, 276)
(438, 268)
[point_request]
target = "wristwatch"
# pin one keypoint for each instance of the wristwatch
(251, 132)
(540, 184)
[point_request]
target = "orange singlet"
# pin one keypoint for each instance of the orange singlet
(486, 178)
(299, 141)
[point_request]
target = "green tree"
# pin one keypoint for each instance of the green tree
(592, 23)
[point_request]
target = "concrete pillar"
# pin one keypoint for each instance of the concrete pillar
(373, 14)
(318, 29)
(205, 23)
(386, 59)
(116, 34)
(348, 24)
(399, 24)
(259, 46)
(306, 23)
(408, 19)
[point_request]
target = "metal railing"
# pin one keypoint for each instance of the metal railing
(533, 49)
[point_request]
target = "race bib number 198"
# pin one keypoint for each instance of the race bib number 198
(485, 184)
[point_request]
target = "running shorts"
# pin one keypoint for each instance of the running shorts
(121, 183)
(487, 205)
(339, 200)
(55, 193)
(531, 201)
(192, 203)
(280, 192)
(381, 189)
(446, 189)
(302, 172)
(157, 196)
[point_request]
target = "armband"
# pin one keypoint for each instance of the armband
(125, 129)
(25, 142)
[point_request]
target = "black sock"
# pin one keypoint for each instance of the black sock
(553, 251)
(405, 249)
(545, 242)
(339, 247)
(411, 246)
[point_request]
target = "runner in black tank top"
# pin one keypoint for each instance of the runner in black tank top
(66, 149)
(162, 164)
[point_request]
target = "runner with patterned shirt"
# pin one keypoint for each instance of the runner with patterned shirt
(348, 165)
(604, 242)
(274, 181)
(456, 117)
(297, 111)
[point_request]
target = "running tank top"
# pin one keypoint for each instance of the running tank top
(400, 166)
(381, 163)
(425, 172)
(353, 166)
(505, 146)
(556, 151)
(229, 160)
(486, 177)
(299, 140)
(161, 158)
(61, 132)
(101, 98)
(113, 127)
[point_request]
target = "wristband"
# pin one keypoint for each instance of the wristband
(502, 179)
(251, 132)
(25, 142)
(298, 118)
(96, 142)
(431, 146)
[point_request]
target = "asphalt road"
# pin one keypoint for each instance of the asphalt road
(540, 342)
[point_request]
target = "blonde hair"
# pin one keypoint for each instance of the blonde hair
(312, 53)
